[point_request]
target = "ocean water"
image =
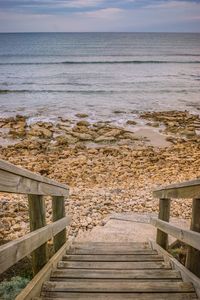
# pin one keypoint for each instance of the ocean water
(46, 75)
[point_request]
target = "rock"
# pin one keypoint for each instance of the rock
(65, 140)
(83, 123)
(118, 112)
(46, 133)
(131, 122)
(16, 227)
(155, 124)
(81, 115)
(113, 133)
(130, 136)
(39, 131)
(189, 133)
(104, 138)
(82, 136)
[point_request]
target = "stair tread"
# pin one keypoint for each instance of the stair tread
(107, 273)
(113, 265)
(119, 296)
(117, 286)
(112, 257)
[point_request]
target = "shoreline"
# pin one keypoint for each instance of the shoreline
(108, 168)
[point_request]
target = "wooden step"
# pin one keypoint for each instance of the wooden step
(109, 251)
(119, 296)
(112, 244)
(120, 274)
(106, 248)
(117, 286)
(112, 257)
(115, 265)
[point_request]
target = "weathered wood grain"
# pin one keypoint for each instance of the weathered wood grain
(118, 296)
(187, 276)
(13, 251)
(120, 274)
(193, 255)
(189, 237)
(37, 217)
(34, 286)
(188, 189)
(58, 209)
(119, 257)
(110, 251)
(164, 214)
(113, 265)
(117, 286)
(11, 168)
(20, 181)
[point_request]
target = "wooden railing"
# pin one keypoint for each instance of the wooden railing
(20, 181)
(185, 190)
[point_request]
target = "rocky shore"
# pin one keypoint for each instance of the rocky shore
(108, 168)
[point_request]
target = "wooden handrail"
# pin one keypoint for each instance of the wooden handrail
(20, 181)
(184, 190)
(13, 251)
(188, 237)
(187, 189)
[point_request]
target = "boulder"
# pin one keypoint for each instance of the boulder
(81, 115)
(104, 138)
(113, 133)
(65, 140)
(82, 136)
(131, 122)
(83, 123)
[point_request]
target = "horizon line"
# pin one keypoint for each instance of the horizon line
(99, 32)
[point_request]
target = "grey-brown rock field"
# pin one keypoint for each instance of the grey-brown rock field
(107, 167)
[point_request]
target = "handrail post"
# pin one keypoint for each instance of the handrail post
(58, 208)
(37, 214)
(164, 215)
(193, 255)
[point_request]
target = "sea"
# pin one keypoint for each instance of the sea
(109, 76)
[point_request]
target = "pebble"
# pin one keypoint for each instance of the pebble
(102, 179)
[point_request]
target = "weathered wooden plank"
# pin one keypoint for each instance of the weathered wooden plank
(107, 248)
(193, 255)
(187, 276)
(13, 251)
(10, 168)
(113, 265)
(120, 274)
(127, 257)
(164, 214)
(188, 189)
(58, 209)
(189, 237)
(137, 245)
(118, 296)
(110, 251)
(117, 286)
(12, 183)
(37, 217)
(34, 286)
(17, 180)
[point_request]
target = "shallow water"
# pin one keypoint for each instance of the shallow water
(45, 75)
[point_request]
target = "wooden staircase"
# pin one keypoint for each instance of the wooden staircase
(112, 271)
(109, 263)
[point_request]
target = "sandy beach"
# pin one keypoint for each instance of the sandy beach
(108, 168)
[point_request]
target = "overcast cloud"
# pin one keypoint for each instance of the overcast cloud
(99, 15)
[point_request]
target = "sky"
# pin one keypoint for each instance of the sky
(99, 15)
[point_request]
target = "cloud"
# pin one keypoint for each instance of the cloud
(173, 4)
(104, 13)
(81, 3)
(99, 15)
